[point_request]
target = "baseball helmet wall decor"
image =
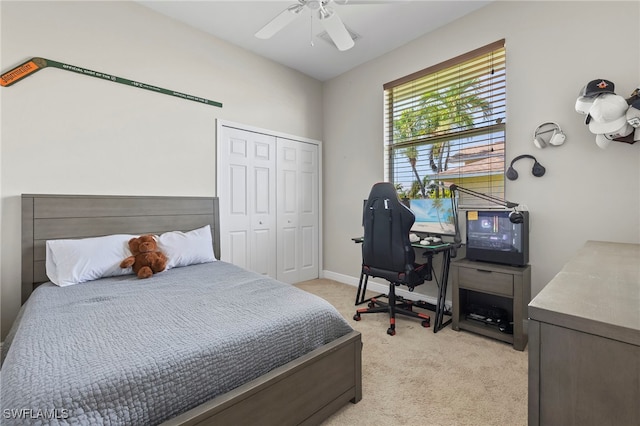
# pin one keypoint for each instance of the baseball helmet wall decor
(609, 116)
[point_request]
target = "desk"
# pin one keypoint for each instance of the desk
(584, 351)
(429, 251)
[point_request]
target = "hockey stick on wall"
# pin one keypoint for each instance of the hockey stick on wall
(36, 64)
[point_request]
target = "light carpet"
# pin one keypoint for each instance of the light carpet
(419, 377)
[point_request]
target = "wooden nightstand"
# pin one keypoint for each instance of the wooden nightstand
(496, 286)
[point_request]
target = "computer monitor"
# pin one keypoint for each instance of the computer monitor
(493, 237)
(433, 216)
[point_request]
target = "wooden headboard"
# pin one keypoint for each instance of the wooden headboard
(48, 217)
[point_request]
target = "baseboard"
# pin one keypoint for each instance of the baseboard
(379, 287)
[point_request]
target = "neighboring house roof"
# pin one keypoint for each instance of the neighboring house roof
(494, 164)
(477, 161)
(478, 152)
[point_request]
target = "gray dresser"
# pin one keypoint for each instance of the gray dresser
(584, 340)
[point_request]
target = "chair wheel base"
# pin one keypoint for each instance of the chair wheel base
(391, 331)
(426, 323)
(357, 317)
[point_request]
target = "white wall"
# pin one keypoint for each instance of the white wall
(67, 133)
(553, 49)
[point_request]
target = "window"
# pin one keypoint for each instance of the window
(446, 124)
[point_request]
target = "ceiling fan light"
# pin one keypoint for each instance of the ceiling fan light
(325, 13)
(314, 4)
(279, 22)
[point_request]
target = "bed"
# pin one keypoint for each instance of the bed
(191, 345)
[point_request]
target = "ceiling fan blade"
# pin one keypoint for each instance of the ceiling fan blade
(279, 22)
(337, 31)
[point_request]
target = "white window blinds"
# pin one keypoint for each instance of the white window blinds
(446, 124)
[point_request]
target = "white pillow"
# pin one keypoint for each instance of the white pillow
(71, 262)
(187, 248)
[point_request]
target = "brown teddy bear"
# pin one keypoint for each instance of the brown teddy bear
(146, 259)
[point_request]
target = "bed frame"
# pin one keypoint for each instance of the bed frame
(305, 391)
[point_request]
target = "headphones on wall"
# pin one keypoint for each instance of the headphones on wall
(557, 136)
(538, 169)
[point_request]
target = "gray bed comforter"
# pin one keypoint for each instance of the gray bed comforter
(127, 351)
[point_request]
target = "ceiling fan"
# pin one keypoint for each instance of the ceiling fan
(328, 18)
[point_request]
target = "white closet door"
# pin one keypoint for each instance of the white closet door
(297, 211)
(247, 192)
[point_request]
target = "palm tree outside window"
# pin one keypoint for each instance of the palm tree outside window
(447, 123)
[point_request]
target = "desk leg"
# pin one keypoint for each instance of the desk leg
(442, 292)
(362, 288)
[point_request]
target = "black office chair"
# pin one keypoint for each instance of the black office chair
(387, 253)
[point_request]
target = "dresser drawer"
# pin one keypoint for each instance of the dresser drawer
(486, 281)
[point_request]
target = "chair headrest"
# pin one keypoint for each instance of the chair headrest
(383, 189)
